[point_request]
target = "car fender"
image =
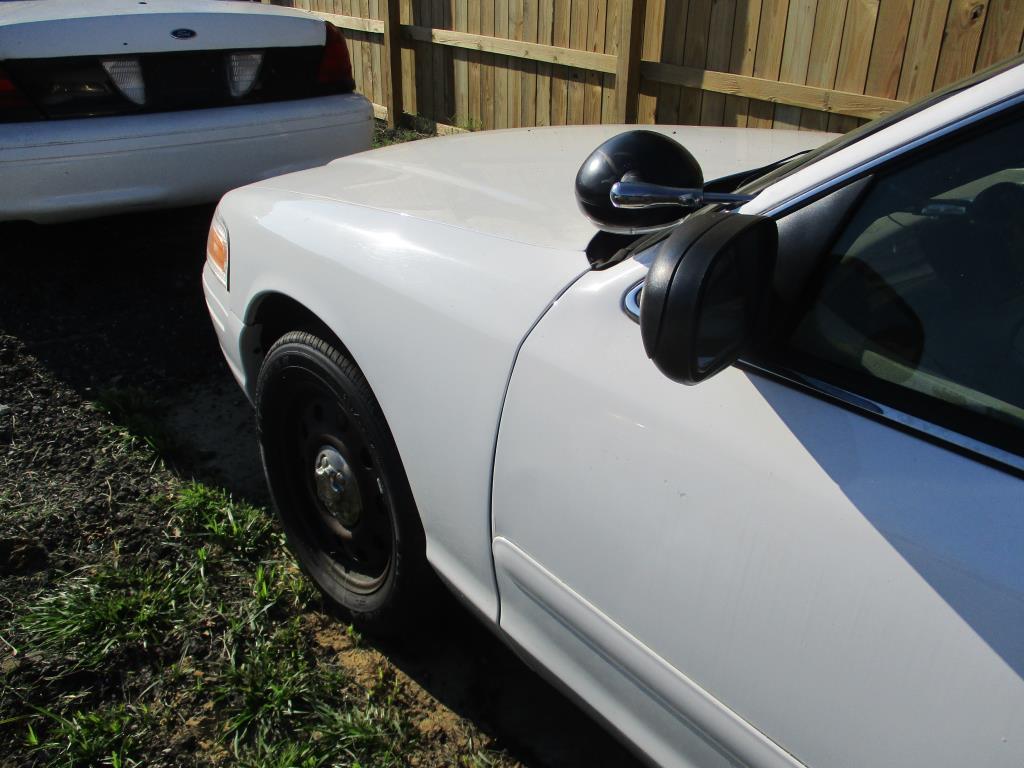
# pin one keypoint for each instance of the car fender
(433, 315)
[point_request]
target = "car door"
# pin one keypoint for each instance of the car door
(816, 556)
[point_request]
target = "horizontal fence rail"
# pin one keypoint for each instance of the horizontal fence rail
(799, 64)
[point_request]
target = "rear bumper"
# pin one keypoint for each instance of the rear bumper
(71, 169)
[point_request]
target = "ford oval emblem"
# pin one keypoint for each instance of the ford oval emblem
(183, 34)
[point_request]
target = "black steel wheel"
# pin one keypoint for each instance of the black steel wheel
(337, 482)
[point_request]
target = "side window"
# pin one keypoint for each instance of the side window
(920, 304)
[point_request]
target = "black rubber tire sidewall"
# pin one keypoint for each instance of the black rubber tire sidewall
(299, 354)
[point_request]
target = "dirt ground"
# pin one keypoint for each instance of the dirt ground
(127, 463)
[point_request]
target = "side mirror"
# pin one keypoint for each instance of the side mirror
(637, 181)
(705, 291)
(634, 156)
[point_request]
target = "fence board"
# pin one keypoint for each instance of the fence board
(378, 53)
(611, 110)
(741, 61)
(672, 49)
(796, 56)
(528, 85)
(922, 54)
(578, 40)
(545, 29)
(501, 73)
(768, 57)
(460, 79)
(488, 67)
(695, 54)
(888, 47)
(515, 66)
(367, 49)
(441, 75)
(409, 93)
(560, 82)
(595, 44)
(960, 42)
(823, 60)
(425, 60)
(723, 18)
(1004, 27)
(475, 68)
(654, 21)
(854, 56)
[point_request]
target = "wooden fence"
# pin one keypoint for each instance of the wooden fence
(810, 64)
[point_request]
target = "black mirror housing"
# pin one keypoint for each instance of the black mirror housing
(705, 291)
(637, 156)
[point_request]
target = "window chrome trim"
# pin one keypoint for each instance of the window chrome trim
(884, 413)
(824, 187)
(631, 302)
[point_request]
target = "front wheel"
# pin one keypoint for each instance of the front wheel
(337, 482)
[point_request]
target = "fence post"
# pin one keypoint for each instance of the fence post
(393, 62)
(627, 67)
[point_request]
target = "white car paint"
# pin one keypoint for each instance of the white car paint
(516, 185)
(51, 28)
(64, 169)
(440, 289)
(732, 573)
(61, 170)
(842, 587)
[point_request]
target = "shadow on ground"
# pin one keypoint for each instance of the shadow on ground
(116, 304)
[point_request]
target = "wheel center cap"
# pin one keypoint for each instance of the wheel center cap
(337, 487)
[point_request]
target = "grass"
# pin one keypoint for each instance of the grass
(89, 618)
(104, 737)
(271, 682)
(211, 514)
(275, 688)
(218, 620)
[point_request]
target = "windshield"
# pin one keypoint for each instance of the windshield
(867, 129)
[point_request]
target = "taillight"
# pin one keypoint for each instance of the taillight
(335, 66)
(14, 105)
(10, 96)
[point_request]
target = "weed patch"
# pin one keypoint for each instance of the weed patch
(89, 618)
(109, 736)
(212, 515)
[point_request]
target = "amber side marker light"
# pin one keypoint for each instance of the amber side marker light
(217, 248)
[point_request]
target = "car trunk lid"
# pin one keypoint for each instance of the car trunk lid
(32, 29)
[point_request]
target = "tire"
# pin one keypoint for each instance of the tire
(337, 483)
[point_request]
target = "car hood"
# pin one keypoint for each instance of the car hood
(517, 184)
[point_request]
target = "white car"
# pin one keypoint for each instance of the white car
(813, 556)
(109, 106)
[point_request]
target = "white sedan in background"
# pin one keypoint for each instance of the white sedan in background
(812, 556)
(118, 105)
